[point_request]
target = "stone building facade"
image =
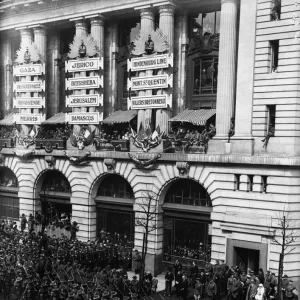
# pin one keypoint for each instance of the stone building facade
(244, 182)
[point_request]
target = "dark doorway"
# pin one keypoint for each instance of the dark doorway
(246, 259)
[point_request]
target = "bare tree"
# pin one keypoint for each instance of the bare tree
(146, 218)
(285, 233)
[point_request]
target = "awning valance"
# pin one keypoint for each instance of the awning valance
(120, 116)
(59, 118)
(196, 117)
(8, 120)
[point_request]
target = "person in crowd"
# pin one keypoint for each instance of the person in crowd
(211, 289)
(169, 277)
(178, 280)
(184, 288)
(198, 290)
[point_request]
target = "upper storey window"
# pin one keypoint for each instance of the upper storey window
(276, 10)
(206, 23)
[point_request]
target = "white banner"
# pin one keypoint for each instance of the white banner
(89, 64)
(144, 102)
(29, 86)
(151, 82)
(84, 100)
(84, 118)
(29, 118)
(29, 70)
(29, 102)
(149, 63)
(81, 83)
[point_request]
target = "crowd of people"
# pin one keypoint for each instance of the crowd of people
(219, 281)
(34, 266)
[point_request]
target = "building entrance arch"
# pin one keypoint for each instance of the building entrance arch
(187, 211)
(115, 214)
(54, 208)
(9, 200)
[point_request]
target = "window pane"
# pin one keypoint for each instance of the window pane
(208, 23)
(207, 74)
(196, 89)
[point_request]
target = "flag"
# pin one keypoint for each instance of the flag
(156, 133)
(141, 130)
(32, 133)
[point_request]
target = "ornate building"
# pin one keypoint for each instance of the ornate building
(191, 104)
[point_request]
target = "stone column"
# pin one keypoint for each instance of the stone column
(53, 75)
(242, 141)
(114, 58)
(7, 81)
(40, 39)
(147, 26)
(166, 24)
(97, 32)
(227, 68)
(183, 48)
(26, 38)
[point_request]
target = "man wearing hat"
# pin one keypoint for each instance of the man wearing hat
(169, 277)
(211, 289)
(290, 291)
(285, 282)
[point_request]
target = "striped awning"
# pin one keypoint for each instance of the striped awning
(196, 117)
(120, 116)
(59, 118)
(8, 120)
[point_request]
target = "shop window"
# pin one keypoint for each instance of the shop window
(188, 192)
(274, 55)
(237, 182)
(205, 76)
(116, 187)
(9, 207)
(276, 10)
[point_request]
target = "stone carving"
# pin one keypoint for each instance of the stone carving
(146, 140)
(150, 43)
(79, 159)
(150, 159)
(183, 167)
(24, 155)
(110, 164)
(205, 44)
(28, 53)
(50, 160)
(82, 138)
(83, 47)
(26, 140)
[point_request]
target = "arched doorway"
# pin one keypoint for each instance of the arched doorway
(187, 224)
(54, 208)
(115, 213)
(9, 200)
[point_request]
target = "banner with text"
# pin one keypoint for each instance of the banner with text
(84, 118)
(144, 102)
(84, 100)
(91, 64)
(29, 118)
(29, 102)
(150, 82)
(149, 63)
(29, 70)
(29, 86)
(81, 83)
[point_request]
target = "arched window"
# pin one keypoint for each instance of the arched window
(9, 201)
(188, 192)
(56, 181)
(115, 186)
